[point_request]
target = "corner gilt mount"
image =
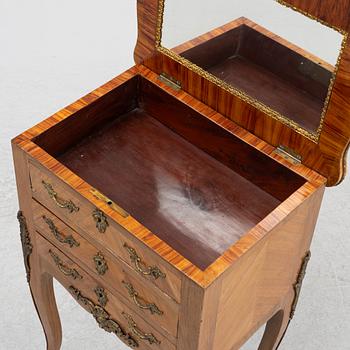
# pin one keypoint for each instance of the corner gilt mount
(299, 282)
(27, 246)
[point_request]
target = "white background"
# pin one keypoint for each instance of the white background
(185, 20)
(53, 52)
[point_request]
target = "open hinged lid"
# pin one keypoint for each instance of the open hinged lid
(258, 63)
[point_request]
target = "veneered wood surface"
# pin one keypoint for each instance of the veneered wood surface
(117, 273)
(71, 130)
(192, 202)
(202, 284)
(222, 145)
(327, 156)
(257, 289)
(136, 231)
(198, 316)
(86, 286)
(266, 276)
(112, 240)
(147, 16)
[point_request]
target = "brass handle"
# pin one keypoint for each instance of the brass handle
(100, 263)
(101, 220)
(103, 318)
(153, 308)
(101, 295)
(144, 336)
(153, 271)
(59, 236)
(63, 268)
(69, 205)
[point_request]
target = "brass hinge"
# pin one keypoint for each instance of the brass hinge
(288, 154)
(170, 81)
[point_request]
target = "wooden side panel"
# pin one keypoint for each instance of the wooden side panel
(238, 301)
(197, 319)
(256, 287)
(147, 14)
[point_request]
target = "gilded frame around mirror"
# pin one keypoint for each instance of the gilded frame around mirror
(313, 136)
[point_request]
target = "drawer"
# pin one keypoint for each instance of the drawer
(85, 218)
(141, 295)
(95, 297)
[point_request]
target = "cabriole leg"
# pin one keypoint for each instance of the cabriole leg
(275, 330)
(41, 286)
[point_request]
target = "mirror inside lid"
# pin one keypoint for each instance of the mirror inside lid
(279, 69)
(275, 59)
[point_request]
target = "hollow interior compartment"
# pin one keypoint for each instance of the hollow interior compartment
(250, 59)
(193, 184)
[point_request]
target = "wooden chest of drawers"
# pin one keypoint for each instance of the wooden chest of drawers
(169, 223)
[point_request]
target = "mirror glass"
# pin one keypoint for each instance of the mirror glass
(281, 61)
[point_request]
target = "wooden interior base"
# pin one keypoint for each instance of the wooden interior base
(187, 198)
(175, 179)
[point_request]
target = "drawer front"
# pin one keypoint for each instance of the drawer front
(96, 298)
(140, 295)
(84, 217)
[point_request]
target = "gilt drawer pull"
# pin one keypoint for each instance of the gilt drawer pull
(153, 308)
(144, 336)
(59, 202)
(101, 220)
(100, 263)
(63, 268)
(103, 318)
(101, 296)
(153, 271)
(59, 236)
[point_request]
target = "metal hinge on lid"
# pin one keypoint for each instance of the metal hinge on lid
(170, 81)
(288, 154)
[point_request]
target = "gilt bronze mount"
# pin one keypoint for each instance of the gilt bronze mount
(27, 246)
(103, 318)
